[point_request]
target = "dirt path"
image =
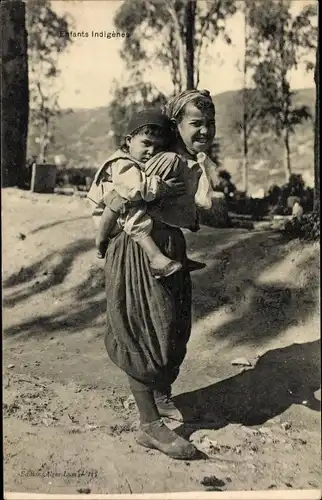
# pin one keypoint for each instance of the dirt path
(67, 424)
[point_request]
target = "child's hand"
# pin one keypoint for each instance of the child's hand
(174, 187)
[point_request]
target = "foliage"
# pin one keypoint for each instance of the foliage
(215, 152)
(45, 44)
(128, 100)
(277, 196)
(306, 228)
(225, 184)
(84, 140)
(165, 23)
(280, 42)
(317, 133)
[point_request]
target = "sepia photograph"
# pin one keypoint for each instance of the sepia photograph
(160, 249)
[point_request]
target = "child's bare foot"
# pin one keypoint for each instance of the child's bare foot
(162, 266)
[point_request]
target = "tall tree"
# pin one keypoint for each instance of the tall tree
(190, 41)
(181, 31)
(281, 42)
(316, 134)
(252, 111)
(14, 93)
(47, 39)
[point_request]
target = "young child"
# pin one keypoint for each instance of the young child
(138, 175)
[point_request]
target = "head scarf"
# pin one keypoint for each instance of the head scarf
(177, 103)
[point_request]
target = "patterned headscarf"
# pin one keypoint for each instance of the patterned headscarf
(177, 103)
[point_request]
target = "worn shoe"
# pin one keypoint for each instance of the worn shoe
(194, 265)
(166, 271)
(177, 448)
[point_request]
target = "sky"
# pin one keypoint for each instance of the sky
(91, 64)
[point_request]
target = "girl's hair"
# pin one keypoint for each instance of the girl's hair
(154, 131)
(200, 102)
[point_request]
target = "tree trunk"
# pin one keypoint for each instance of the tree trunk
(245, 162)
(180, 44)
(316, 136)
(14, 93)
(190, 38)
(245, 115)
(43, 150)
(287, 158)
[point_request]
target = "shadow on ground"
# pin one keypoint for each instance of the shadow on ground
(57, 223)
(235, 260)
(54, 269)
(280, 378)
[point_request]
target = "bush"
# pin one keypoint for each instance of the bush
(306, 228)
(278, 197)
(78, 177)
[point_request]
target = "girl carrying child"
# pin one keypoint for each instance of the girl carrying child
(149, 320)
(137, 177)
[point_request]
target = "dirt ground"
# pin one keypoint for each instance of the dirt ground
(68, 425)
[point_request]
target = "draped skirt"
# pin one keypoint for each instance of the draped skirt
(148, 320)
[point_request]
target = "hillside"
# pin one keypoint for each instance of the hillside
(82, 137)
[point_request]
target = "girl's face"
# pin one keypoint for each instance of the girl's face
(143, 146)
(197, 128)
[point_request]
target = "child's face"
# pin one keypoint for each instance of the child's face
(143, 146)
(197, 128)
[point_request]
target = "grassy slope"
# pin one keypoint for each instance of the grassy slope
(82, 137)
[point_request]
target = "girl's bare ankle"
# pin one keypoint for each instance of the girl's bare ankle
(159, 261)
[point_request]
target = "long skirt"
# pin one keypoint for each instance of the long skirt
(148, 320)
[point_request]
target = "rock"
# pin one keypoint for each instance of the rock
(11, 366)
(21, 236)
(241, 362)
(86, 491)
(129, 403)
(286, 425)
(135, 426)
(212, 482)
(208, 446)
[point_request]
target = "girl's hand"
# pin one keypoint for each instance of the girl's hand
(174, 187)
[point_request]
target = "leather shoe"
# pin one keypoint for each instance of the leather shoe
(179, 448)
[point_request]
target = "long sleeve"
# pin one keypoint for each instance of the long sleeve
(132, 184)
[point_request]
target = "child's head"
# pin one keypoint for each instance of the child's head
(148, 133)
(193, 111)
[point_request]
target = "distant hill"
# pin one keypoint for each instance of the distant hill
(84, 138)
